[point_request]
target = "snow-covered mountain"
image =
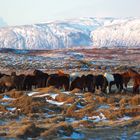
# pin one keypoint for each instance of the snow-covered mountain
(82, 32)
(125, 34)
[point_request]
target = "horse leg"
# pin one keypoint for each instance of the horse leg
(110, 85)
(93, 89)
(135, 87)
(107, 89)
(120, 87)
(66, 86)
(138, 89)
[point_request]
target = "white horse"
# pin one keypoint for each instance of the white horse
(110, 78)
(73, 76)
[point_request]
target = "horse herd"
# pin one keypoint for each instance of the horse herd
(68, 82)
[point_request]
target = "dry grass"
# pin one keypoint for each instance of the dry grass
(70, 100)
(15, 94)
(83, 123)
(110, 100)
(123, 102)
(28, 104)
(76, 90)
(102, 99)
(61, 128)
(135, 100)
(2, 108)
(87, 94)
(62, 97)
(29, 130)
(50, 89)
(71, 109)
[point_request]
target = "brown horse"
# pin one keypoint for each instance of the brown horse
(136, 77)
(126, 79)
(6, 82)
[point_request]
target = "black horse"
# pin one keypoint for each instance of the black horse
(90, 83)
(101, 82)
(59, 81)
(18, 80)
(41, 78)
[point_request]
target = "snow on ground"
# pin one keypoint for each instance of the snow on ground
(55, 102)
(101, 117)
(87, 112)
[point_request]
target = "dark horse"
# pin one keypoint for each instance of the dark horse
(58, 81)
(90, 82)
(41, 78)
(78, 82)
(37, 80)
(101, 82)
(18, 80)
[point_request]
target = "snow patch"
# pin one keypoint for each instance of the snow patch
(101, 117)
(55, 102)
(7, 98)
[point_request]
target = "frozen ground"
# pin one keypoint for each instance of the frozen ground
(54, 114)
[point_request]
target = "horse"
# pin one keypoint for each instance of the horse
(6, 82)
(90, 83)
(73, 76)
(58, 81)
(115, 78)
(101, 82)
(126, 79)
(42, 78)
(30, 81)
(78, 82)
(18, 80)
(136, 77)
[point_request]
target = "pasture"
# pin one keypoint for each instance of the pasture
(54, 111)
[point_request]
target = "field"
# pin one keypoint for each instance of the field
(49, 113)
(69, 60)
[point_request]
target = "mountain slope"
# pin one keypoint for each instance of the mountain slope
(126, 34)
(82, 32)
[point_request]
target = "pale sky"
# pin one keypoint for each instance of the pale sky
(19, 12)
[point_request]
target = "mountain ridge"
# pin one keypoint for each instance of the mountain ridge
(83, 32)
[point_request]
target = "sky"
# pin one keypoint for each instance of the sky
(21, 12)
